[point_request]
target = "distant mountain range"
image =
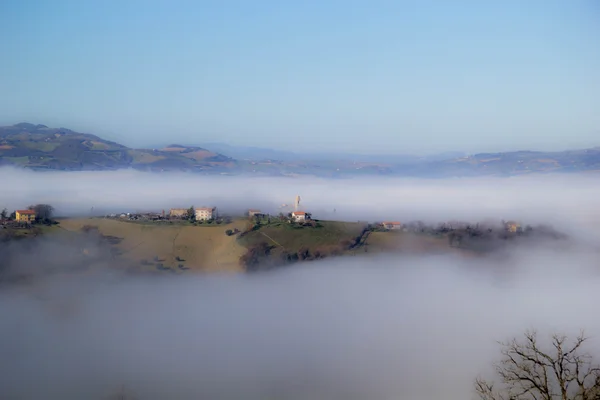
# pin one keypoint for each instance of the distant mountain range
(42, 148)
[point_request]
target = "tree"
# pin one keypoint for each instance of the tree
(43, 212)
(528, 371)
(191, 214)
(303, 253)
(4, 214)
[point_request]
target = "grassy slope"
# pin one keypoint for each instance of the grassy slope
(19, 233)
(292, 239)
(289, 239)
(410, 243)
(207, 248)
(204, 248)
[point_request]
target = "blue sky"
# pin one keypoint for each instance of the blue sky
(362, 76)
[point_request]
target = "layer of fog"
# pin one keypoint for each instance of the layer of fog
(377, 328)
(565, 200)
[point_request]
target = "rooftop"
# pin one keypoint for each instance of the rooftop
(298, 213)
(26, 212)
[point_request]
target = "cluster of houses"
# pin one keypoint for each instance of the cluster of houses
(201, 214)
(210, 213)
(296, 216)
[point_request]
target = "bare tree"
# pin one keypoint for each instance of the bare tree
(529, 372)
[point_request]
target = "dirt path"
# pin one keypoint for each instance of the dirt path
(272, 240)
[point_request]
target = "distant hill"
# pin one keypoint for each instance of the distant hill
(39, 147)
(263, 153)
(509, 164)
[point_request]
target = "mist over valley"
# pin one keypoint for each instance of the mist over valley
(84, 318)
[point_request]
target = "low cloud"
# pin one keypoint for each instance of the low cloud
(376, 327)
(382, 327)
(553, 197)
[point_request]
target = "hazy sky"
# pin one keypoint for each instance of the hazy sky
(393, 76)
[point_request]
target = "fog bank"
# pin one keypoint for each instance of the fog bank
(377, 328)
(366, 327)
(559, 198)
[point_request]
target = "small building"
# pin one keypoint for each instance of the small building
(512, 226)
(204, 213)
(178, 212)
(25, 215)
(392, 225)
(253, 211)
(300, 216)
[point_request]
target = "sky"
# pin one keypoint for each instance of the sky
(354, 76)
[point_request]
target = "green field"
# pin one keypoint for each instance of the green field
(292, 238)
(41, 146)
(18, 160)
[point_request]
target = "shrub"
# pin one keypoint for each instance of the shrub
(303, 253)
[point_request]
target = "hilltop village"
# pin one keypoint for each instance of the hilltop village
(204, 239)
(206, 215)
(44, 214)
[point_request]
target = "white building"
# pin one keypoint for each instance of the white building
(204, 213)
(300, 216)
(253, 211)
(392, 225)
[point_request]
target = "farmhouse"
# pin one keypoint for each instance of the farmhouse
(25, 215)
(392, 225)
(178, 212)
(512, 226)
(204, 213)
(253, 211)
(300, 216)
